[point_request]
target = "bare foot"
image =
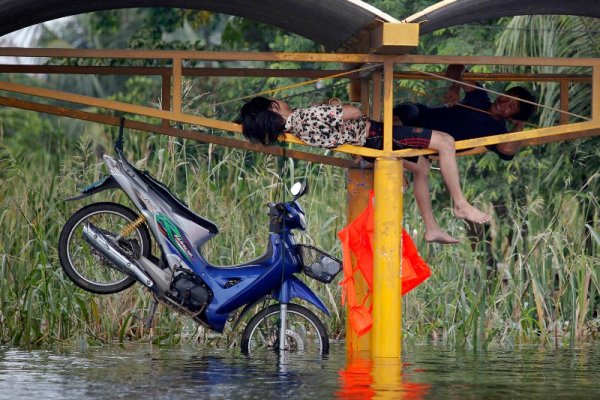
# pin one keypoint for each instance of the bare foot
(470, 213)
(439, 236)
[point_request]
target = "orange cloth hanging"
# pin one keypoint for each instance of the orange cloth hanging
(357, 238)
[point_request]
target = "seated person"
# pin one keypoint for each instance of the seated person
(265, 120)
(473, 116)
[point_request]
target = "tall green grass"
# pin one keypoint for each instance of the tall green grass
(546, 287)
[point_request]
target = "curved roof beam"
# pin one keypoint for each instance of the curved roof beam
(456, 12)
(332, 23)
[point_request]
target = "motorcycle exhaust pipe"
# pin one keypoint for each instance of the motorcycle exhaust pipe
(100, 242)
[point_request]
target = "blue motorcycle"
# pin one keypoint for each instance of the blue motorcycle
(106, 247)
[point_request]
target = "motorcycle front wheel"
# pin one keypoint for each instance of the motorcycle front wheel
(85, 266)
(305, 333)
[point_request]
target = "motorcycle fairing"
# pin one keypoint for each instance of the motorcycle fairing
(105, 183)
(294, 287)
(175, 237)
(252, 281)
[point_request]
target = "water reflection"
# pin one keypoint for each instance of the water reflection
(182, 372)
(367, 379)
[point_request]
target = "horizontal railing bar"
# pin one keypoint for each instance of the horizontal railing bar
(158, 71)
(501, 77)
(176, 132)
(264, 72)
(300, 57)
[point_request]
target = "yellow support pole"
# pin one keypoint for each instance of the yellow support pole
(387, 284)
(387, 379)
(387, 249)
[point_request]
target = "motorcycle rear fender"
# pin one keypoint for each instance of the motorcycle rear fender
(105, 183)
(297, 288)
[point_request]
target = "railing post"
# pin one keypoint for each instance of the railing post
(166, 96)
(564, 101)
(596, 92)
(177, 68)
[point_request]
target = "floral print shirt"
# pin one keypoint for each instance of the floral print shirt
(322, 126)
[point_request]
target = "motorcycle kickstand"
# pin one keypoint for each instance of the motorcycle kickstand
(153, 307)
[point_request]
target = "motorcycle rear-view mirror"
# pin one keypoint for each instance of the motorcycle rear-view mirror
(298, 189)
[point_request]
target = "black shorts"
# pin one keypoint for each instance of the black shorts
(404, 137)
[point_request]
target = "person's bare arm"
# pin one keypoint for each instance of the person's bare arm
(456, 72)
(350, 112)
(512, 147)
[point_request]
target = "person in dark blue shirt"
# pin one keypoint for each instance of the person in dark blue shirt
(473, 116)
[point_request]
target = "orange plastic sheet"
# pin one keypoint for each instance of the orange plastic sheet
(357, 240)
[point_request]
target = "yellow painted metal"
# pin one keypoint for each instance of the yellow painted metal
(388, 105)
(387, 380)
(394, 38)
(529, 137)
(299, 57)
(360, 183)
(494, 77)
(564, 102)
(387, 269)
(192, 55)
(364, 96)
(387, 283)
(186, 71)
(377, 97)
(283, 72)
(119, 106)
(493, 60)
(176, 102)
(596, 93)
(176, 132)
(166, 96)
(156, 113)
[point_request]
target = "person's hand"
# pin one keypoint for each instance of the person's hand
(452, 97)
(456, 71)
(517, 125)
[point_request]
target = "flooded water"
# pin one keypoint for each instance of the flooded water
(185, 372)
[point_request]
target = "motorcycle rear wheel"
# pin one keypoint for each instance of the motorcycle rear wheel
(84, 266)
(305, 333)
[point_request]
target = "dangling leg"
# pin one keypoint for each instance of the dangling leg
(433, 233)
(444, 144)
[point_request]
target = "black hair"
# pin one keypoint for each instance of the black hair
(526, 110)
(259, 123)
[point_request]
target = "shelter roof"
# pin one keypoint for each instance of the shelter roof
(455, 12)
(331, 23)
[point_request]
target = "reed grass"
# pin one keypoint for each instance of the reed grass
(545, 289)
